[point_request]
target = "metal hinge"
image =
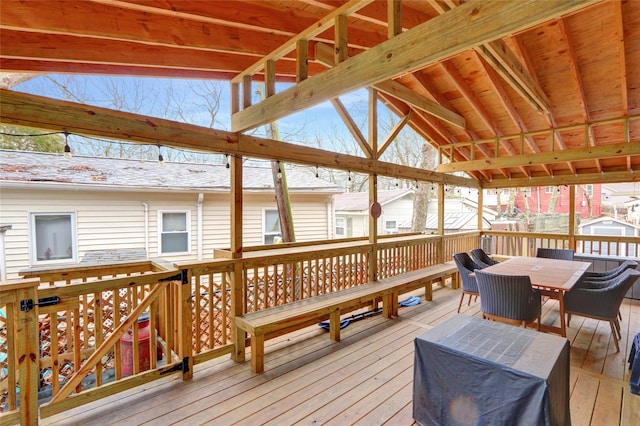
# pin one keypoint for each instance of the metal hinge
(183, 366)
(181, 276)
(27, 304)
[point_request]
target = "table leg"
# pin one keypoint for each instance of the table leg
(563, 327)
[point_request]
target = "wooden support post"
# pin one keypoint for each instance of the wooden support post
(480, 209)
(334, 325)
(302, 60)
(185, 322)
(394, 18)
(27, 347)
(373, 228)
(572, 217)
(441, 253)
(237, 305)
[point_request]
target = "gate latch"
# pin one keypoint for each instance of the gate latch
(27, 304)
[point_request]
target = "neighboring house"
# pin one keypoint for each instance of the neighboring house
(537, 199)
(60, 210)
(352, 212)
(460, 214)
(607, 226)
(622, 200)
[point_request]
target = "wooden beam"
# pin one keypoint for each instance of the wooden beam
(504, 62)
(38, 112)
(566, 179)
(578, 154)
(352, 126)
(394, 133)
(318, 27)
(373, 122)
(422, 103)
(341, 50)
(394, 18)
(302, 60)
(446, 35)
(324, 54)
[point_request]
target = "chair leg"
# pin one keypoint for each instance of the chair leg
(568, 319)
(539, 318)
(461, 299)
(617, 323)
(615, 336)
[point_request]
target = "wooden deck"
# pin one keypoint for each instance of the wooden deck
(364, 379)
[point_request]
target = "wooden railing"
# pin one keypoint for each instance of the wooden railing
(525, 244)
(79, 342)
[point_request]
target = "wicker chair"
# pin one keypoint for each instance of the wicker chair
(562, 254)
(465, 267)
(509, 298)
(602, 279)
(600, 303)
(482, 258)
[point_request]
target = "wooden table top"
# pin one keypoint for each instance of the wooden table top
(550, 273)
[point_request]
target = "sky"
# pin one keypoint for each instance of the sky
(159, 97)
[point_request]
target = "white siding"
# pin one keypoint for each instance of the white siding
(115, 220)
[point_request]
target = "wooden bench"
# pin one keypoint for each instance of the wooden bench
(279, 320)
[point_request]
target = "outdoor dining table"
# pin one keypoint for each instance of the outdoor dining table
(554, 275)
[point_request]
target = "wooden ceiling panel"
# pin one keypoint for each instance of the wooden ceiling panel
(587, 63)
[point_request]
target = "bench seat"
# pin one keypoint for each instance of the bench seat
(279, 320)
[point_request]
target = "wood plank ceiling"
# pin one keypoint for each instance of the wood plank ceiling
(552, 99)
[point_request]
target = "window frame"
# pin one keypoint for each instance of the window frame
(161, 232)
(33, 240)
(264, 226)
(341, 223)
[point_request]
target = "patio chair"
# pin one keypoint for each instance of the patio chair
(465, 267)
(482, 258)
(509, 298)
(562, 254)
(601, 303)
(601, 279)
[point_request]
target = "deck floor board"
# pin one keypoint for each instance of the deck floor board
(366, 378)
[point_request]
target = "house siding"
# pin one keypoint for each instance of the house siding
(116, 220)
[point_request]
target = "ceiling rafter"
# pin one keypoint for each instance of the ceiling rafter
(500, 57)
(438, 97)
(624, 89)
(323, 24)
(477, 106)
(459, 29)
(548, 116)
(513, 114)
(575, 73)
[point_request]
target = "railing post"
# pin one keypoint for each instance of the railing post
(22, 295)
(185, 321)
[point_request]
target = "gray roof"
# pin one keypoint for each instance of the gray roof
(39, 167)
(359, 201)
(452, 221)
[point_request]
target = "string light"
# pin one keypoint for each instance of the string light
(349, 174)
(279, 170)
(67, 148)
(317, 174)
(397, 183)
(160, 157)
(226, 161)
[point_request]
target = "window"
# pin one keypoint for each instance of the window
(53, 236)
(271, 226)
(526, 192)
(588, 188)
(174, 232)
(390, 227)
(549, 189)
(340, 226)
